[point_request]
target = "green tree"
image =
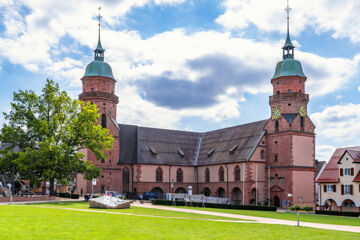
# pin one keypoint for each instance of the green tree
(51, 130)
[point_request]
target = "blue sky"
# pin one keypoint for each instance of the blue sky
(191, 65)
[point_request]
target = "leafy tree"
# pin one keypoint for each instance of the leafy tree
(51, 130)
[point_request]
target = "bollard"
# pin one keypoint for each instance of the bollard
(298, 219)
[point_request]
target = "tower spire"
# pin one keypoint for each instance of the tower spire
(99, 51)
(288, 48)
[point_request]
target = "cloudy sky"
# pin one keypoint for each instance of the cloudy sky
(191, 64)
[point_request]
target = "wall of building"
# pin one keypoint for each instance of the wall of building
(303, 188)
(336, 196)
(303, 151)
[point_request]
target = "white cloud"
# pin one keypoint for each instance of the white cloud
(33, 41)
(359, 88)
(341, 17)
(324, 152)
(338, 123)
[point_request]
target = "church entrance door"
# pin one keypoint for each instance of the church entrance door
(276, 201)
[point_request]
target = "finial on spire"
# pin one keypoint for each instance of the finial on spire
(288, 9)
(288, 49)
(99, 51)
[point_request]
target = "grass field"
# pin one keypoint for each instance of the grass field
(34, 223)
(134, 210)
(338, 220)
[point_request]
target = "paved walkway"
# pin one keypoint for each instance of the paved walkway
(257, 219)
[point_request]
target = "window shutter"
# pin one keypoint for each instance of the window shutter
(334, 188)
(352, 171)
(342, 189)
(326, 189)
(351, 189)
(341, 172)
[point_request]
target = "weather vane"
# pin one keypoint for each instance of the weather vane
(99, 16)
(288, 9)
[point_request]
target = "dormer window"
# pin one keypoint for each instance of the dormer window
(233, 149)
(182, 154)
(211, 152)
(153, 151)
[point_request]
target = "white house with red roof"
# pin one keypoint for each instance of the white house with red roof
(340, 181)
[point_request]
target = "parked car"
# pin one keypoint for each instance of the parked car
(150, 195)
(113, 194)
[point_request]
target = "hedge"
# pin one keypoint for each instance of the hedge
(337, 213)
(67, 195)
(214, 205)
(298, 208)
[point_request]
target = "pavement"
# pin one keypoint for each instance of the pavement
(255, 219)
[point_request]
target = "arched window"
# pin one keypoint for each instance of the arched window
(237, 174)
(221, 174)
(179, 175)
(262, 154)
(207, 175)
(159, 175)
(126, 179)
(103, 120)
(302, 123)
(276, 126)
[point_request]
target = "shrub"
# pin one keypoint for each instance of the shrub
(307, 208)
(337, 213)
(67, 195)
(295, 208)
(214, 205)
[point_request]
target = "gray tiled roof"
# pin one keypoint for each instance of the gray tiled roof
(245, 136)
(162, 146)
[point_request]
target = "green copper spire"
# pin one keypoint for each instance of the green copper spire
(289, 66)
(98, 67)
(288, 48)
(99, 51)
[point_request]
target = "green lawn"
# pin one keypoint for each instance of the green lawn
(133, 210)
(338, 220)
(34, 223)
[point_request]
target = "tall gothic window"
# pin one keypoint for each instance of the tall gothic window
(207, 175)
(126, 179)
(159, 175)
(221, 174)
(179, 175)
(276, 126)
(103, 120)
(262, 154)
(237, 174)
(302, 123)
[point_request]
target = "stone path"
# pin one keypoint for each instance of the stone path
(257, 219)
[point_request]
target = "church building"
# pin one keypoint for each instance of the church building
(271, 159)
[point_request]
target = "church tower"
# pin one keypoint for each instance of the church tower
(98, 84)
(290, 137)
(98, 87)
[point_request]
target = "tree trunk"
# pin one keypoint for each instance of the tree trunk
(52, 192)
(12, 180)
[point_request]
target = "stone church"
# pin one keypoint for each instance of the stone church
(272, 159)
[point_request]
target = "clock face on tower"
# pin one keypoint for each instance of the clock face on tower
(302, 111)
(275, 113)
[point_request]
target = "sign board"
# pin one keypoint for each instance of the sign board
(189, 187)
(190, 192)
(289, 195)
(94, 182)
